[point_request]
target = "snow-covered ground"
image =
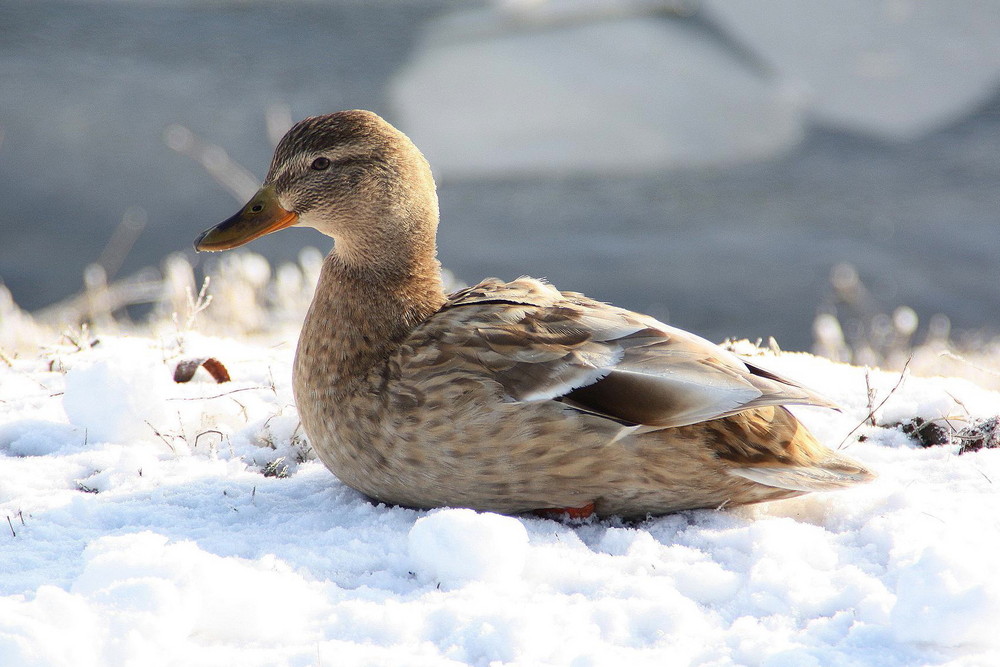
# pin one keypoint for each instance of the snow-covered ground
(161, 523)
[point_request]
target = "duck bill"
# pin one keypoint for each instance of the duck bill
(262, 215)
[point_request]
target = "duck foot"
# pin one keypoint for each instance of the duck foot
(573, 513)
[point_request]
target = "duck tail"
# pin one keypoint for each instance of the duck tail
(834, 471)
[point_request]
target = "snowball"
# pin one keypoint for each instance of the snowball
(456, 546)
(117, 398)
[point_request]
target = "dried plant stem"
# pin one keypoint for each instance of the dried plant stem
(199, 303)
(958, 357)
(206, 398)
(870, 418)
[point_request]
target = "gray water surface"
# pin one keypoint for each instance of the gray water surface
(746, 251)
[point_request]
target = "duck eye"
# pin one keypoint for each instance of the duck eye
(320, 163)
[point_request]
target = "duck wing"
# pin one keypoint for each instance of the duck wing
(542, 344)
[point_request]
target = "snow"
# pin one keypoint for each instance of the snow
(131, 396)
(159, 523)
(620, 96)
(605, 86)
(896, 70)
(457, 546)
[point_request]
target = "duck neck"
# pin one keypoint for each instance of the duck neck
(361, 314)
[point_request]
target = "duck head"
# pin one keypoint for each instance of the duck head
(350, 175)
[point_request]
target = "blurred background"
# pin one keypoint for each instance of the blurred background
(733, 168)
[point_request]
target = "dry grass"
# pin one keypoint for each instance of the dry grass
(244, 296)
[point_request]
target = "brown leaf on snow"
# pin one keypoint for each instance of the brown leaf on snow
(185, 369)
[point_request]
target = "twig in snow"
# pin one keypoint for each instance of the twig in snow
(960, 404)
(872, 411)
(162, 437)
(984, 433)
(199, 303)
(204, 433)
(206, 398)
(871, 396)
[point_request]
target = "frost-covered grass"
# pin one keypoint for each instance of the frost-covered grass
(161, 523)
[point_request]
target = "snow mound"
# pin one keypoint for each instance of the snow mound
(457, 546)
(116, 397)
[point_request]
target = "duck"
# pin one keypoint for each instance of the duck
(507, 397)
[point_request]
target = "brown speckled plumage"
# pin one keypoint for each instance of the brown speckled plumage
(508, 397)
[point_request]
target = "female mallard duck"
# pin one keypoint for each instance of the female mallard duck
(509, 397)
